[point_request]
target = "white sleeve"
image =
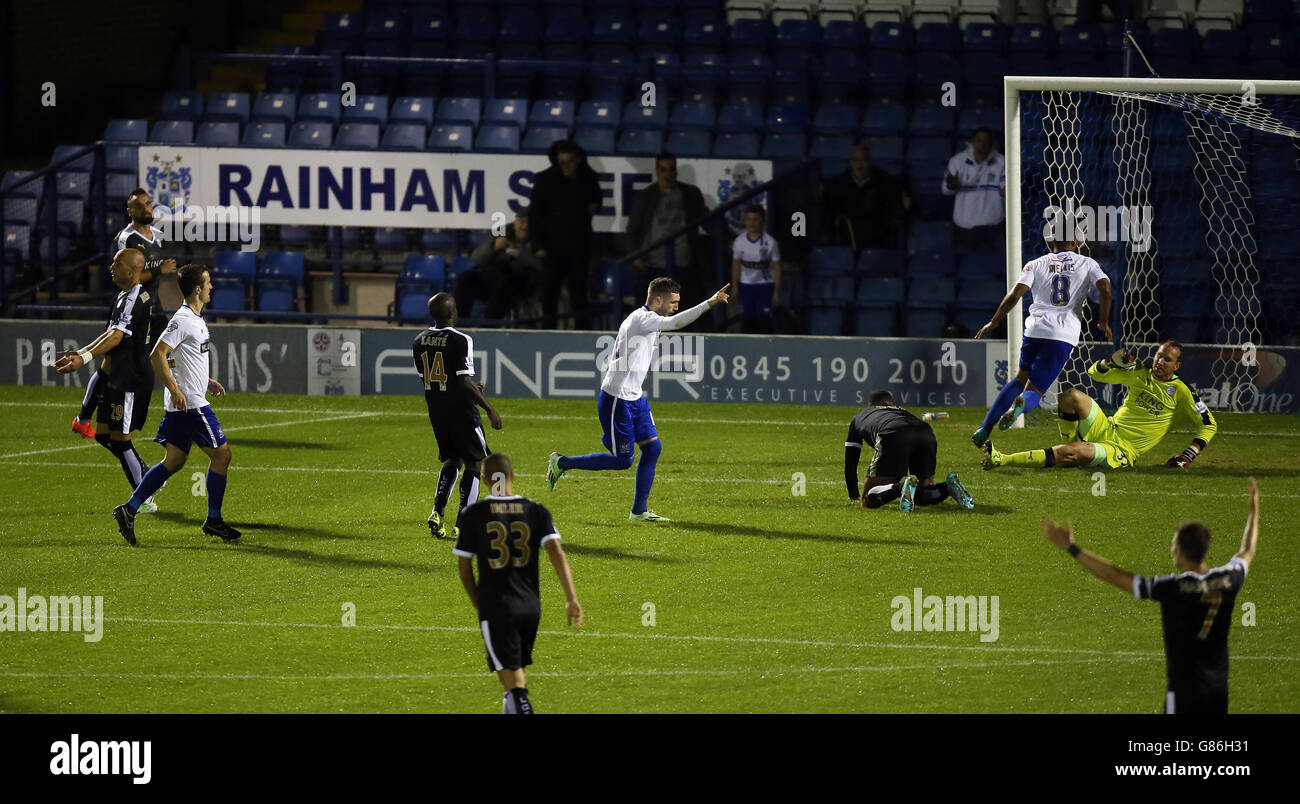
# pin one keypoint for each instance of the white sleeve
(469, 358)
(1097, 273)
(776, 250)
(123, 321)
(1027, 275)
(659, 323)
(736, 248)
(943, 180)
(175, 333)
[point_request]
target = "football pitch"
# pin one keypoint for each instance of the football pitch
(766, 593)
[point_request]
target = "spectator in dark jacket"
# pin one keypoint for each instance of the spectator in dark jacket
(565, 196)
(506, 269)
(658, 209)
(864, 206)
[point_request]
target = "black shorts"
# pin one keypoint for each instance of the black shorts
(123, 411)
(905, 452)
(1197, 701)
(461, 440)
(509, 640)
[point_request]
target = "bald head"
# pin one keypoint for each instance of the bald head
(442, 309)
(126, 268)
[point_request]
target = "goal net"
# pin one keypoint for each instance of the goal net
(1187, 192)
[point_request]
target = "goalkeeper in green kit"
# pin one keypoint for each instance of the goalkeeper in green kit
(1094, 439)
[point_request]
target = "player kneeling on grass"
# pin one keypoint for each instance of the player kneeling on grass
(505, 534)
(1092, 439)
(903, 467)
(189, 418)
(1196, 607)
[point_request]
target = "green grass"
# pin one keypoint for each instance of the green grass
(764, 601)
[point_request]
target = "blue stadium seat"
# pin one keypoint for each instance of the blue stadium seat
(830, 261)
(800, 34)
(740, 116)
(984, 37)
(704, 33)
(936, 37)
(266, 135)
(599, 114)
(567, 28)
(340, 31)
(181, 105)
(506, 111)
(844, 35)
(429, 25)
(779, 145)
(404, 137)
(389, 238)
(928, 155)
(296, 236)
(228, 295)
(323, 106)
(890, 35)
(519, 29)
(693, 115)
(274, 107)
(538, 138)
(18, 239)
(423, 268)
(412, 110)
(358, 136)
(367, 109)
(218, 135)
(880, 262)
(286, 265)
(311, 135)
(688, 143)
(455, 269)
(238, 265)
(746, 32)
(979, 115)
(445, 138)
(645, 117)
(887, 152)
(929, 236)
(81, 164)
(72, 185)
(552, 112)
(122, 158)
(440, 240)
(982, 265)
(1033, 39)
(179, 132)
(883, 118)
(831, 288)
(736, 145)
(497, 138)
(127, 131)
(640, 142)
(1084, 40)
(836, 118)
(613, 29)
(595, 140)
(228, 106)
(930, 264)
(659, 29)
(119, 187)
(787, 118)
(931, 120)
(833, 149)
(460, 111)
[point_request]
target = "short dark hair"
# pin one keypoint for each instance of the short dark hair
(1194, 541)
(567, 147)
(496, 463)
(984, 129)
(664, 156)
(190, 278)
(135, 192)
(881, 397)
(522, 213)
(663, 286)
(757, 208)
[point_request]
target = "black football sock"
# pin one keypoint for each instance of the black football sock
(522, 705)
(94, 390)
(132, 466)
(880, 495)
(931, 494)
(468, 489)
(446, 479)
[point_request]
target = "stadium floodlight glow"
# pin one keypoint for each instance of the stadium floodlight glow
(1147, 158)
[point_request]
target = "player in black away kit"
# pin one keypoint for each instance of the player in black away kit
(123, 403)
(504, 534)
(139, 234)
(1196, 607)
(444, 359)
(903, 465)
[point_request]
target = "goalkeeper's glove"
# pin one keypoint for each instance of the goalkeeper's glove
(1181, 461)
(1123, 358)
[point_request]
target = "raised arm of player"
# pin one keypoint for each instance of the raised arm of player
(70, 361)
(465, 566)
(1251, 535)
(476, 393)
(1010, 300)
(688, 316)
(572, 608)
(1194, 409)
(1116, 369)
(159, 359)
(1063, 537)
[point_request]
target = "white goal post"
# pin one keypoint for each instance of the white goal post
(1108, 137)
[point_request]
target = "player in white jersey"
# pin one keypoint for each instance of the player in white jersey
(180, 358)
(1059, 284)
(623, 410)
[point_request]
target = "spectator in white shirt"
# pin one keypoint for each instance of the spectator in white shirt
(977, 176)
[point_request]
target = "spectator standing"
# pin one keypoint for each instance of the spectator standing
(978, 177)
(564, 198)
(756, 272)
(506, 269)
(659, 209)
(871, 201)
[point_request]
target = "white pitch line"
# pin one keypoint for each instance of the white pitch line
(613, 477)
(668, 419)
(761, 671)
(681, 637)
(228, 430)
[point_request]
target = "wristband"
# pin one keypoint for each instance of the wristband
(85, 356)
(1074, 550)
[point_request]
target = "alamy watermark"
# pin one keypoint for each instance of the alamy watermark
(1083, 223)
(191, 223)
(922, 612)
(37, 613)
(672, 356)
